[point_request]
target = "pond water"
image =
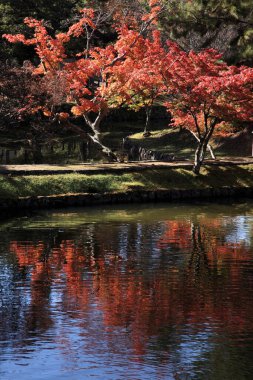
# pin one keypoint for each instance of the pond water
(150, 292)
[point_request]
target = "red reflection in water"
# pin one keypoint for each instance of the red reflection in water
(200, 290)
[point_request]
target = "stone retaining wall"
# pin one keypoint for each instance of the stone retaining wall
(77, 200)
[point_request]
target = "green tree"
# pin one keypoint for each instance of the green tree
(226, 25)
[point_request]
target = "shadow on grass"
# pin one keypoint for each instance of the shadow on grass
(183, 144)
(172, 141)
(13, 187)
(229, 175)
(211, 176)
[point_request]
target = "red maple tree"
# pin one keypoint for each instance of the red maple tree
(88, 77)
(206, 95)
(138, 80)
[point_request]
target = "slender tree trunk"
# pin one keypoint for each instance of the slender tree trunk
(82, 150)
(87, 149)
(146, 132)
(105, 149)
(202, 146)
(69, 148)
(36, 152)
(209, 146)
(96, 136)
(197, 159)
(199, 156)
(26, 156)
(7, 156)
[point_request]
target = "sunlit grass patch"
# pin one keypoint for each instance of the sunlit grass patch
(150, 179)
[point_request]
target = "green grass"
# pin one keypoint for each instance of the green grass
(182, 144)
(23, 186)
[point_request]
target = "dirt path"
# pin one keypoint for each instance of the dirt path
(100, 168)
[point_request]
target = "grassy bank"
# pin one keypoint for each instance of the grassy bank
(13, 187)
(182, 144)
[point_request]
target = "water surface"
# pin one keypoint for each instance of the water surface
(150, 292)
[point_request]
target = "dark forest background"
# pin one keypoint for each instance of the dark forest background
(226, 25)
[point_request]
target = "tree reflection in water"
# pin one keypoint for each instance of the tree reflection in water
(171, 292)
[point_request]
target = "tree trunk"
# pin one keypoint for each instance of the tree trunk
(106, 150)
(197, 159)
(200, 154)
(88, 149)
(26, 156)
(69, 148)
(209, 147)
(82, 150)
(146, 132)
(95, 137)
(36, 152)
(7, 156)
